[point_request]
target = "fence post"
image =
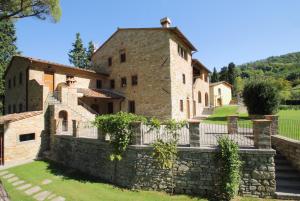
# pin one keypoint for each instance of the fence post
(75, 128)
(194, 133)
(137, 138)
(232, 124)
(262, 133)
(274, 123)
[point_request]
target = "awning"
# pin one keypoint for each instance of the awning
(99, 93)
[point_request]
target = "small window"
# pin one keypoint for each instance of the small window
(182, 52)
(123, 82)
(134, 80)
(20, 107)
(109, 60)
(9, 83)
(14, 81)
(110, 108)
(183, 78)
(112, 84)
(27, 137)
(131, 107)
(181, 105)
(122, 56)
(199, 97)
(9, 109)
(219, 92)
(206, 78)
(14, 108)
(99, 84)
(20, 78)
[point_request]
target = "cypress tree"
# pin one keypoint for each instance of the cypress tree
(77, 55)
(90, 52)
(215, 76)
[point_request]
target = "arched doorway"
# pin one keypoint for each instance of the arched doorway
(206, 100)
(63, 119)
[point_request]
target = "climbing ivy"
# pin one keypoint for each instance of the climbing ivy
(230, 165)
(119, 127)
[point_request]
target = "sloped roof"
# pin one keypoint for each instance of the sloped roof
(174, 30)
(99, 93)
(61, 66)
(221, 82)
(197, 63)
(18, 116)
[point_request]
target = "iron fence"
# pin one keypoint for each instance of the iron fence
(289, 128)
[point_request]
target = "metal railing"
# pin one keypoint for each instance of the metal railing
(289, 128)
(86, 129)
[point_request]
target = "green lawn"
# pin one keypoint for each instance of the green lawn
(289, 120)
(76, 187)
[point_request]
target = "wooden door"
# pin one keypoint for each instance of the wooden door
(188, 108)
(49, 80)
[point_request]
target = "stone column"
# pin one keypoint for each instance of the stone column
(75, 128)
(137, 138)
(194, 133)
(232, 124)
(262, 133)
(274, 124)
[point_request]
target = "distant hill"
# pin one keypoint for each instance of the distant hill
(285, 66)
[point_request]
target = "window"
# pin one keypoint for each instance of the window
(123, 82)
(183, 78)
(9, 83)
(219, 92)
(122, 56)
(20, 107)
(9, 109)
(199, 97)
(109, 60)
(110, 108)
(99, 84)
(134, 80)
(20, 78)
(14, 108)
(14, 81)
(131, 106)
(112, 84)
(181, 105)
(27, 137)
(182, 52)
(206, 78)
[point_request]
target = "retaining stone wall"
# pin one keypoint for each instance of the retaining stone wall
(194, 173)
(289, 148)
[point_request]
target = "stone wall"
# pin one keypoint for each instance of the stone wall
(196, 171)
(289, 148)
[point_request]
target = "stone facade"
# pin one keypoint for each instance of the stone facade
(220, 93)
(195, 172)
(289, 148)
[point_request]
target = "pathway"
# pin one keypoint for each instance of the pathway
(34, 191)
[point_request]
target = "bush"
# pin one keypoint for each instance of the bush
(289, 107)
(230, 164)
(261, 97)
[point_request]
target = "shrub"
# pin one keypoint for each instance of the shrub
(230, 164)
(261, 98)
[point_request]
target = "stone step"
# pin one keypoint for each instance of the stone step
(287, 196)
(288, 184)
(287, 176)
(285, 168)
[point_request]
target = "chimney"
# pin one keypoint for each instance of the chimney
(165, 22)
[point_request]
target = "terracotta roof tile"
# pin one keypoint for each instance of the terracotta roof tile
(18, 116)
(99, 93)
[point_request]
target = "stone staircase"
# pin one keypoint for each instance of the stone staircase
(287, 179)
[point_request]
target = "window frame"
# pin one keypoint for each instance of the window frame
(30, 138)
(109, 61)
(134, 80)
(199, 97)
(112, 83)
(123, 82)
(181, 105)
(20, 78)
(99, 84)
(122, 56)
(131, 106)
(183, 79)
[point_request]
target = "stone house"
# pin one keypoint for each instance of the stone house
(220, 93)
(147, 71)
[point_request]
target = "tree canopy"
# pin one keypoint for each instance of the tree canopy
(77, 55)
(42, 9)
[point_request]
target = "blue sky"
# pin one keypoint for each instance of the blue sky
(223, 31)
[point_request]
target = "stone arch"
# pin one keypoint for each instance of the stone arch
(63, 119)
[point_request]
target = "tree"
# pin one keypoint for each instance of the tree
(77, 56)
(223, 75)
(215, 76)
(90, 52)
(231, 73)
(8, 48)
(42, 9)
(239, 85)
(261, 97)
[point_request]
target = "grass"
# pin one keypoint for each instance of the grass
(289, 120)
(77, 187)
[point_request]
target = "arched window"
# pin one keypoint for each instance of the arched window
(63, 119)
(199, 97)
(206, 99)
